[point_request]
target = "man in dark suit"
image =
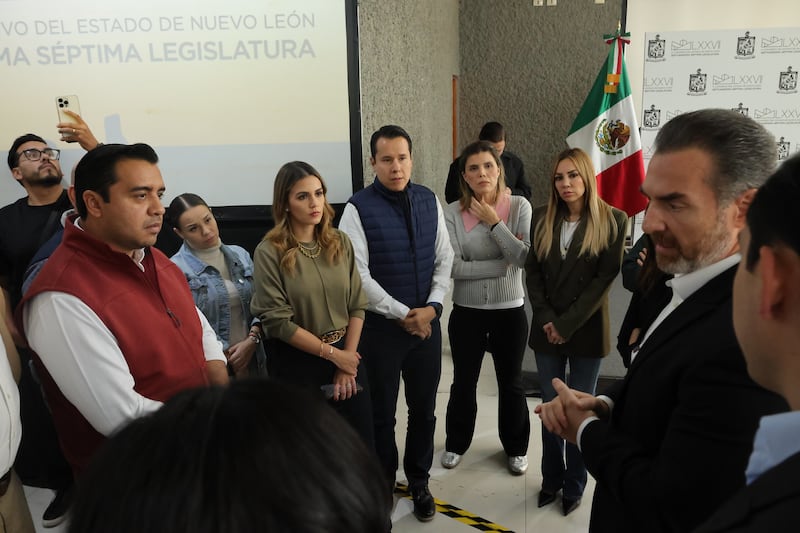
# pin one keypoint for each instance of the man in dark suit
(766, 317)
(494, 133)
(669, 443)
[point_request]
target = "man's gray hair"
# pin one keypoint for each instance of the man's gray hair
(744, 152)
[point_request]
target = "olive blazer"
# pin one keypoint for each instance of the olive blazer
(572, 293)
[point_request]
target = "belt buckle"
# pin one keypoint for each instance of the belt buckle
(333, 336)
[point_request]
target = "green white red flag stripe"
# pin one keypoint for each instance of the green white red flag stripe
(606, 128)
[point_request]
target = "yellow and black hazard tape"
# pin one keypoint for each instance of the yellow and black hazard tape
(465, 517)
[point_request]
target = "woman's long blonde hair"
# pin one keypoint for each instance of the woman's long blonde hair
(601, 226)
(281, 235)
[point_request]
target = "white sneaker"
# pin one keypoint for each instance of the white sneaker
(451, 460)
(517, 464)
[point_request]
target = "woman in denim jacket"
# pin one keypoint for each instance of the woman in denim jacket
(221, 280)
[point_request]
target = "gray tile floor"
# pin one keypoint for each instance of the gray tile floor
(481, 484)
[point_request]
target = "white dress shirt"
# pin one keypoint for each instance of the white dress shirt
(85, 361)
(10, 425)
(380, 301)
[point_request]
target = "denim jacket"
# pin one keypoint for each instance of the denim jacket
(211, 296)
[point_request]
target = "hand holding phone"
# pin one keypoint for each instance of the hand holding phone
(67, 103)
(327, 390)
(71, 126)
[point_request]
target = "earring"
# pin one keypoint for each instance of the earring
(287, 210)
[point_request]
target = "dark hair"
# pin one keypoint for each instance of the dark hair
(388, 132)
(771, 216)
(492, 132)
(13, 156)
(258, 455)
(179, 205)
(471, 149)
(649, 273)
(96, 171)
(743, 151)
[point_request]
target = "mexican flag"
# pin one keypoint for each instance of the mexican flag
(607, 130)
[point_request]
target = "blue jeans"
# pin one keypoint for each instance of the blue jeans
(583, 373)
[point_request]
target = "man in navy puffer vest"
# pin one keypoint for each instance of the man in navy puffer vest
(404, 257)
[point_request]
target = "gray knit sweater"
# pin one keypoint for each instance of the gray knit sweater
(488, 264)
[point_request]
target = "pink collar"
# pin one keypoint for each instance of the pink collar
(502, 207)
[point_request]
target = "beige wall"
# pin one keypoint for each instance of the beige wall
(409, 54)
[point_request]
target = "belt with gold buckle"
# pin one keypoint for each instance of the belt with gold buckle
(333, 336)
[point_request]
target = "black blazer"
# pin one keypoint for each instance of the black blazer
(683, 423)
(769, 504)
(572, 293)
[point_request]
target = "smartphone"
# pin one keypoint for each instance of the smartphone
(64, 103)
(328, 389)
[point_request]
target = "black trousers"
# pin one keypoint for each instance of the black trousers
(389, 353)
(507, 331)
(294, 366)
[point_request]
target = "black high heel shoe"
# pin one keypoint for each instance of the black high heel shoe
(546, 497)
(568, 505)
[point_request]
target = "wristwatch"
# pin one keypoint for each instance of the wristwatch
(255, 337)
(436, 307)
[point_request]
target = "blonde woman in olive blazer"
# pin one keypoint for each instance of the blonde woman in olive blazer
(576, 252)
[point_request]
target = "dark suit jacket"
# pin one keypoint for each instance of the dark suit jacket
(769, 504)
(512, 167)
(683, 423)
(572, 293)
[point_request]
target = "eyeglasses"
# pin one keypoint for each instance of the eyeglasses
(32, 154)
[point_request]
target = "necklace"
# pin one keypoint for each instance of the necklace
(312, 251)
(567, 231)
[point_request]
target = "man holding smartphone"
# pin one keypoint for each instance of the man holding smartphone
(25, 225)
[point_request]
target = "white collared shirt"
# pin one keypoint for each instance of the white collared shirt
(380, 301)
(10, 425)
(85, 361)
(683, 286)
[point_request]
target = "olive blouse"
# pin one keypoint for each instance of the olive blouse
(318, 296)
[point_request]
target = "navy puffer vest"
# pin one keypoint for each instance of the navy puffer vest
(400, 228)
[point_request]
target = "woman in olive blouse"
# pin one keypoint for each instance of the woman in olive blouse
(308, 296)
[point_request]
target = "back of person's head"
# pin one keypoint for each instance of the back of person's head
(13, 156)
(258, 455)
(388, 132)
(771, 217)
(743, 151)
(179, 205)
(492, 132)
(96, 171)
